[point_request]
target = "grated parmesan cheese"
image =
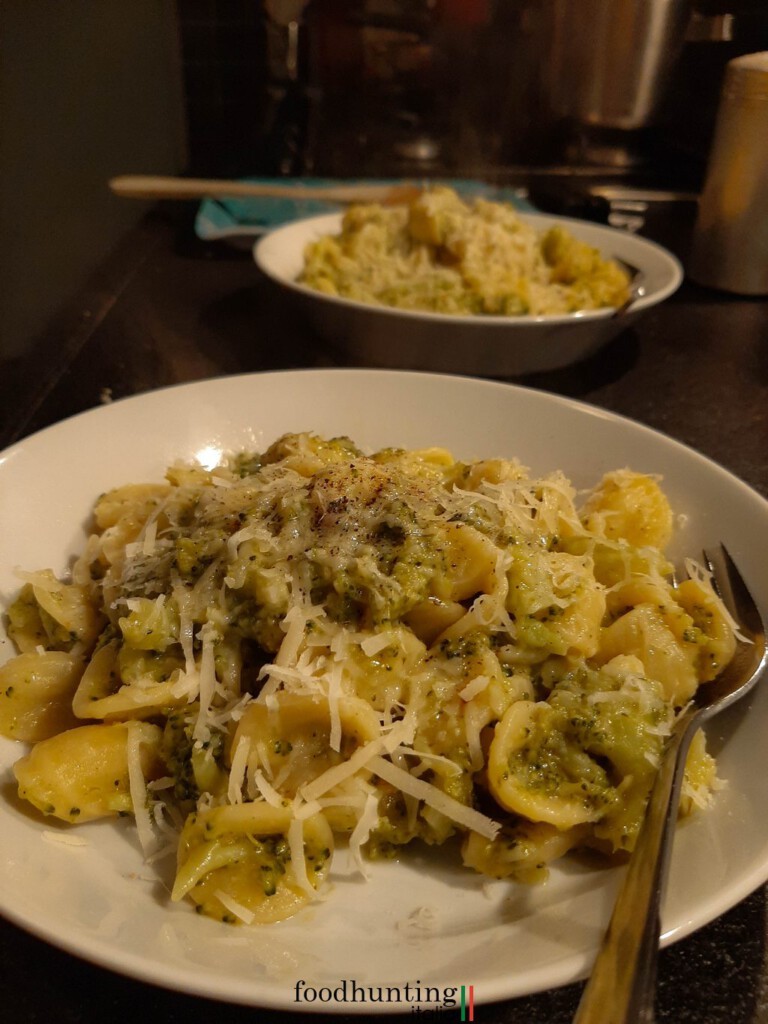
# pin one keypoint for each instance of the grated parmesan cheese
(465, 816)
(375, 644)
(477, 685)
(362, 831)
(138, 790)
(149, 540)
(298, 862)
(243, 913)
(238, 769)
(267, 791)
(338, 773)
(207, 681)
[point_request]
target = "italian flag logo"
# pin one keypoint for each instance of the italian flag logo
(467, 1002)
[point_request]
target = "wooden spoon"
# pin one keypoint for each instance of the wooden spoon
(138, 186)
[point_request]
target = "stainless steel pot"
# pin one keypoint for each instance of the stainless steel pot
(610, 61)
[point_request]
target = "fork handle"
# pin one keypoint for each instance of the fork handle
(622, 986)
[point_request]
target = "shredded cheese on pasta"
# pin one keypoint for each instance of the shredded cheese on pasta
(313, 645)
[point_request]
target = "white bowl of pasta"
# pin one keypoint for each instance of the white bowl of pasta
(411, 317)
(262, 747)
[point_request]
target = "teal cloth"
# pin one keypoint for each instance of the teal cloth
(246, 218)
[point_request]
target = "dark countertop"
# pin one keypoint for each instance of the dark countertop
(165, 308)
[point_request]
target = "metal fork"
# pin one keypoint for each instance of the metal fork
(636, 287)
(622, 986)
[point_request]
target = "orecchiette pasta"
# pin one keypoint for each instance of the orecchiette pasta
(84, 773)
(36, 694)
(236, 862)
(312, 644)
